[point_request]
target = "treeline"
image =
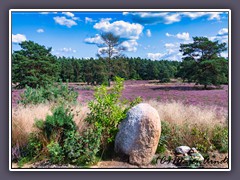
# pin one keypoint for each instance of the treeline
(34, 66)
(96, 71)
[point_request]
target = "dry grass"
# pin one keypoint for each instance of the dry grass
(23, 119)
(178, 113)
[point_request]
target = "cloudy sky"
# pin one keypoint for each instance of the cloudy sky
(152, 35)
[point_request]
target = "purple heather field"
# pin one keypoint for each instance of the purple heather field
(184, 92)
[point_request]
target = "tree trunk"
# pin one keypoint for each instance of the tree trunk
(109, 82)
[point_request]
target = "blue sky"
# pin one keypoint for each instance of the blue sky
(151, 35)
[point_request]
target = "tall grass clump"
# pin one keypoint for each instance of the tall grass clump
(193, 126)
(23, 119)
(57, 138)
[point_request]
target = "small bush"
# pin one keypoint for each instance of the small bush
(220, 138)
(59, 93)
(34, 146)
(201, 139)
(164, 138)
(55, 153)
(57, 139)
(107, 111)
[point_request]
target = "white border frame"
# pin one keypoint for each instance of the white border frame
(118, 10)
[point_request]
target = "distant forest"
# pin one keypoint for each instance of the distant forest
(34, 65)
(95, 71)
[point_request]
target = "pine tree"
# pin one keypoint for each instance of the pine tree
(34, 65)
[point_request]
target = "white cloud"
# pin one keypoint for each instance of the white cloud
(169, 35)
(130, 45)
(40, 30)
(224, 54)
(148, 33)
(170, 17)
(210, 15)
(222, 36)
(94, 40)
(69, 14)
(128, 31)
(18, 38)
(169, 45)
(155, 56)
(89, 20)
(64, 21)
(171, 52)
(68, 50)
(221, 39)
(214, 15)
(48, 13)
(183, 36)
(120, 28)
(222, 32)
(44, 12)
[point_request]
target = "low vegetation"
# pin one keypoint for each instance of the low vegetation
(54, 93)
(83, 135)
(58, 138)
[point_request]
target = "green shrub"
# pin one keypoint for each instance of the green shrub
(164, 138)
(201, 139)
(57, 137)
(107, 111)
(55, 153)
(59, 93)
(34, 146)
(220, 138)
(57, 125)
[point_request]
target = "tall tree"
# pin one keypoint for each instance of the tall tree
(202, 62)
(111, 47)
(34, 65)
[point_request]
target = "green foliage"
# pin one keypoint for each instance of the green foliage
(34, 65)
(95, 71)
(91, 142)
(59, 93)
(201, 139)
(220, 138)
(212, 72)
(192, 161)
(164, 138)
(107, 111)
(23, 161)
(58, 140)
(31, 151)
(55, 153)
(202, 62)
(56, 125)
(164, 75)
(34, 146)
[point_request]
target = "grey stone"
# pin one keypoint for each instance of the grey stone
(139, 134)
(182, 150)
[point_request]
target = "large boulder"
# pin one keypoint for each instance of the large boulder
(139, 134)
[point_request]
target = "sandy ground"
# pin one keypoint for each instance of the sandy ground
(216, 161)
